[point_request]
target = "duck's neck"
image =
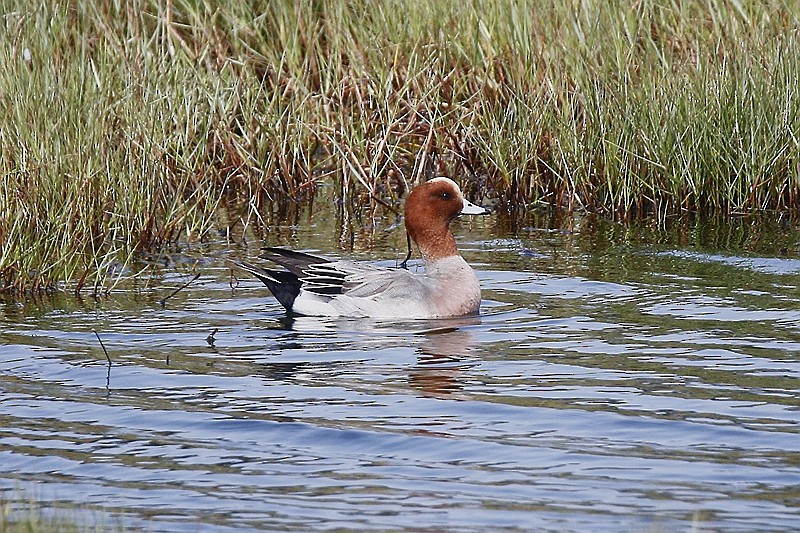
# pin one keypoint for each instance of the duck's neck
(435, 242)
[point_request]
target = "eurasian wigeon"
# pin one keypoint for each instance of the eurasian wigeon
(318, 286)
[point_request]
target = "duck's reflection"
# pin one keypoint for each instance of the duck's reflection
(441, 363)
(443, 347)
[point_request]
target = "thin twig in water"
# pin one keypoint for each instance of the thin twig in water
(210, 339)
(103, 346)
(163, 301)
(404, 264)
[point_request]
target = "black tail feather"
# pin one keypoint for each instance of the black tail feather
(285, 286)
(294, 262)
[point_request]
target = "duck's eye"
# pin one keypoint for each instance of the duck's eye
(445, 196)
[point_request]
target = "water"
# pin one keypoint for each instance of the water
(618, 379)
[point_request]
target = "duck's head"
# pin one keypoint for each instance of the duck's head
(430, 208)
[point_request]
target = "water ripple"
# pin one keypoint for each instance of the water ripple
(663, 399)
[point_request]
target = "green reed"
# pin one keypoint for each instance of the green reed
(128, 125)
(28, 515)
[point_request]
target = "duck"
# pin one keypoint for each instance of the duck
(313, 285)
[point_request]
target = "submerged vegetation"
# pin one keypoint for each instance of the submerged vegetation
(128, 125)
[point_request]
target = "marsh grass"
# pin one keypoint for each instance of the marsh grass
(128, 126)
(31, 516)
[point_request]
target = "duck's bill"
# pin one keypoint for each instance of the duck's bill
(472, 209)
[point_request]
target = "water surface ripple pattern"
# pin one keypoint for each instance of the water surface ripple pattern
(629, 388)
